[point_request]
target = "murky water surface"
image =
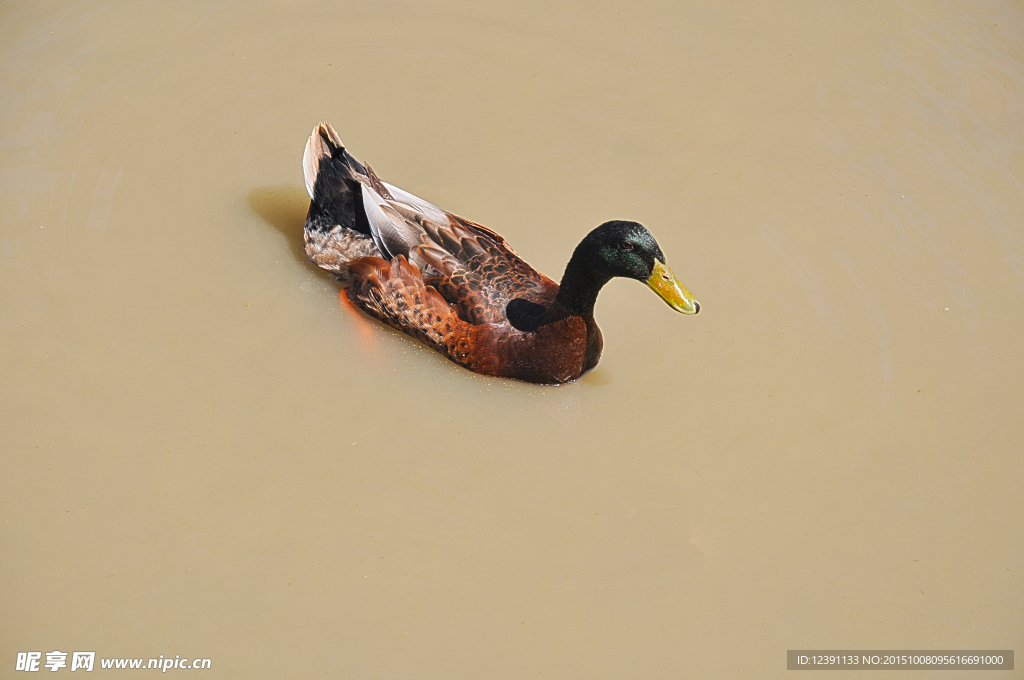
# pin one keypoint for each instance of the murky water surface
(206, 455)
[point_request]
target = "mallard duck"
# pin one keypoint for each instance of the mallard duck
(457, 286)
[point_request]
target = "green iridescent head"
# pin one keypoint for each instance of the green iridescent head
(627, 249)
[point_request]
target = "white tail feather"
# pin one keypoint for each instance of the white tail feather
(311, 159)
(316, 148)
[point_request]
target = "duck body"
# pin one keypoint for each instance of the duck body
(457, 286)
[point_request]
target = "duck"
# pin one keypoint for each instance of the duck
(458, 286)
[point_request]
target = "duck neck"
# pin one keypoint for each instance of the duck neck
(580, 285)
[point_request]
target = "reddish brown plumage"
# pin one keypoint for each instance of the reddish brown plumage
(461, 312)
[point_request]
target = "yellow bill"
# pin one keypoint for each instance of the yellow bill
(667, 286)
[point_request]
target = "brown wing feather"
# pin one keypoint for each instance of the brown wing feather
(394, 292)
(479, 272)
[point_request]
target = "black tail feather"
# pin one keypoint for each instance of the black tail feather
(337, 194)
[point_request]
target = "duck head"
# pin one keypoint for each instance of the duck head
(626, 249)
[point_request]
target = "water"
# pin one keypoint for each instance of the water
(207, 455)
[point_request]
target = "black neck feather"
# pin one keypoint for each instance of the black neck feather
(581, 283)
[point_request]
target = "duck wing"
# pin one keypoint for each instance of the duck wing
(471, 266)
(478, 272)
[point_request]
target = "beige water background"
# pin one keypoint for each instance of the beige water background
(205, 455)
